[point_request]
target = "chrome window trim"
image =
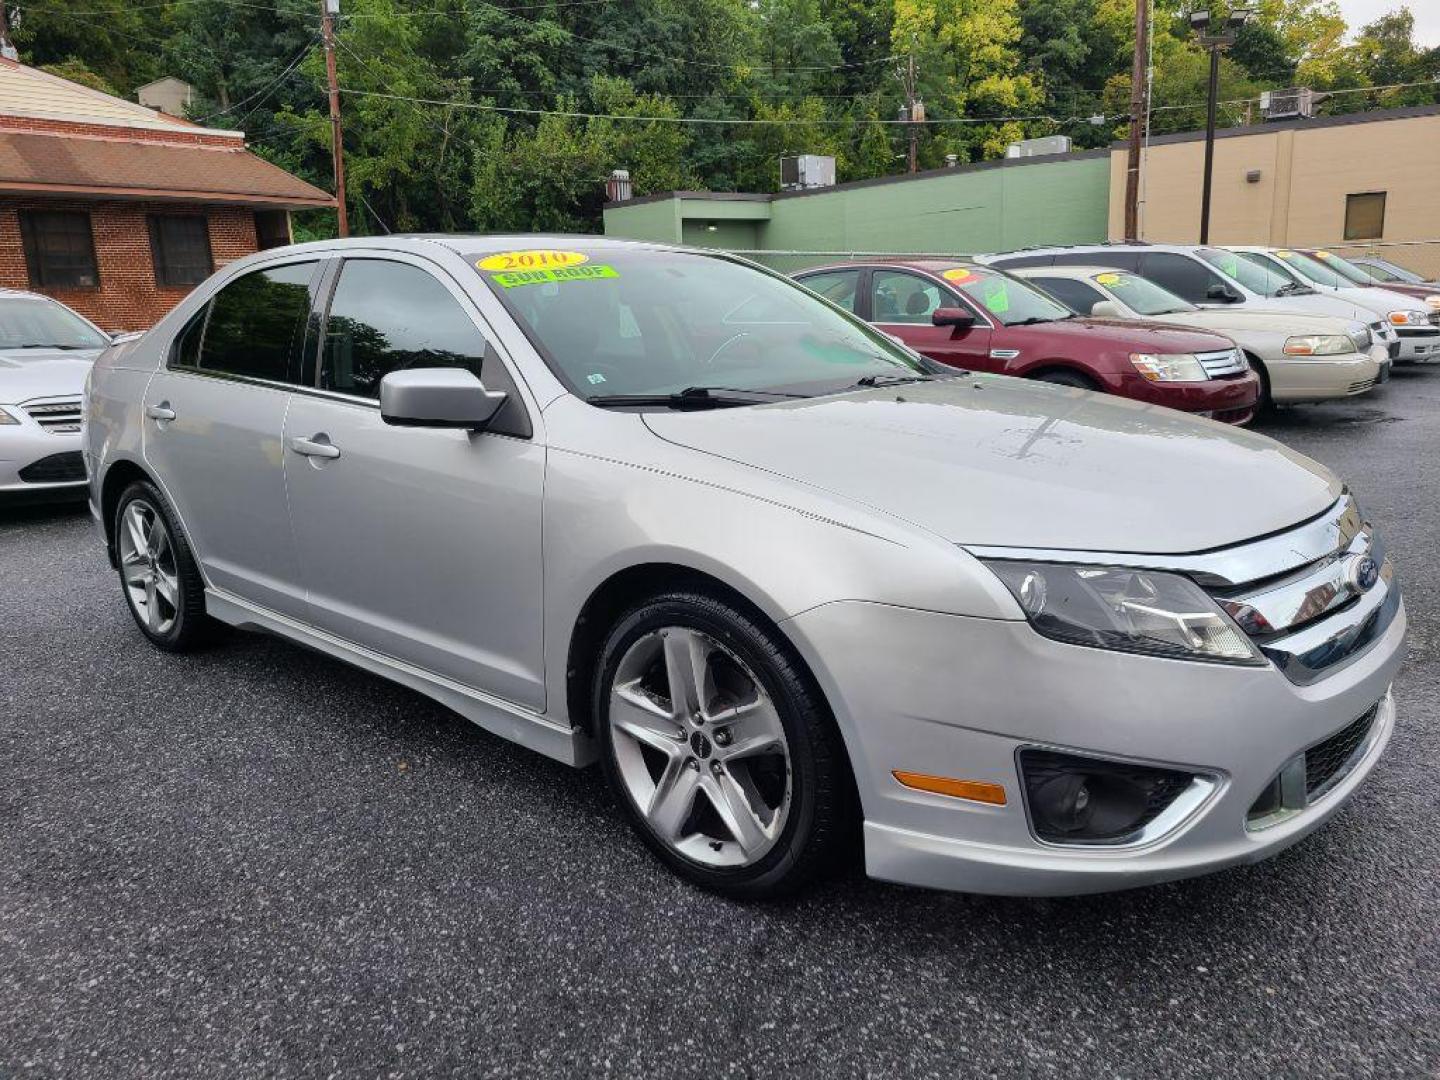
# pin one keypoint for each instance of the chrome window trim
(1255, 560)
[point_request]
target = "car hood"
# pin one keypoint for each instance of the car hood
(1240, 321)
(34, 373)
(1130, 335)
(991, 460)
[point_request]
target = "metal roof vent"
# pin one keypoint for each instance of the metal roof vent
(1050, 144)
(1295, 103)
(801, 171)
(617, 185)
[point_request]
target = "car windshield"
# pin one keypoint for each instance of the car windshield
(1346, 269)
(1312, 269)
(1386, 272)
(1009, 300)
(1256, 276)
(1380, 274)
(635, 321)
(1142, 295)
(27, 323)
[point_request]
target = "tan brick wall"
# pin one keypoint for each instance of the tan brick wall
(127, 297)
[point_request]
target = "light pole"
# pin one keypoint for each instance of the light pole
(1217, 41)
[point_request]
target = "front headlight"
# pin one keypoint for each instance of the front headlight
(1169, 367)
(1141, 611)
(1318, 345)
(1408, 318)
(5, 418)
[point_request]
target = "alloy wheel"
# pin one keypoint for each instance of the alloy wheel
(147, 567)
(700, 748)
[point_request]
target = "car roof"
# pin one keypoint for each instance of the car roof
(1076, 272)
(480, 243)
(925, 265)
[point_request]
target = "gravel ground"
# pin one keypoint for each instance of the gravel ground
(258, 861)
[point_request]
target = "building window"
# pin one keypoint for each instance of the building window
(1365, 216)
(59, 249)
(180, 245)
(272, 228)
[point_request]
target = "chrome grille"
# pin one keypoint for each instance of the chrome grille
(56, 417)
(1225, 362)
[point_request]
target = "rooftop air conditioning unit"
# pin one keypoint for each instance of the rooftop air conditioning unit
(1050, 144)
(617, 185)
(801, 171)
(1288, 104)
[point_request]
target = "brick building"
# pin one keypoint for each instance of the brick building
(119, 210)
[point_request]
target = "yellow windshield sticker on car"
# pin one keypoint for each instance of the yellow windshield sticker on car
(509, 279)
(1108, 279)
(1323, 255)
(1285, 254)
(958, 274)
(997, 296)
(531, 260)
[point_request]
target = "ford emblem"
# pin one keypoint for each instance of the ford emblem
(1362, 573)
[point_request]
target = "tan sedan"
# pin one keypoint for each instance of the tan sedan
(1300, 356)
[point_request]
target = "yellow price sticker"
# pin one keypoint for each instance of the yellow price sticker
(1285, 254)
(1108, 279)
(1323, 255)
(958, 274)
(531, 260)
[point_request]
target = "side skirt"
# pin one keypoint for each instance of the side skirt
(495, 715)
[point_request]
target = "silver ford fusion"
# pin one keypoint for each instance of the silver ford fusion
(784, 579)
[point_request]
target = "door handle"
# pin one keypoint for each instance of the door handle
(318, 447)
(161, 412)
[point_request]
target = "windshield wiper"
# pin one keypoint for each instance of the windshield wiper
(692, 397)
(891, 380)
(1036, 319)
(1294, 289)
(52, 345)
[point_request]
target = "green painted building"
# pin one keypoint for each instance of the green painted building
(990, 206)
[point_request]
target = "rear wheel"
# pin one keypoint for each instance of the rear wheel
(162, 585)
(718, 748)
(1067, 378)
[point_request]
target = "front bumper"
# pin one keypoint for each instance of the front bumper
(1230, 399)
(1418, 343)
(959, 697)
(1323, 378)
(36, 462)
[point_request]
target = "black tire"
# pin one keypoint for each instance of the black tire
(1066, 378)
(189, 627)
(818, 830)
(1264, 404)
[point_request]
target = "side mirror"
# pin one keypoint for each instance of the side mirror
(437, 397)
(951, 316)
(1223, 293)
(1106, 309)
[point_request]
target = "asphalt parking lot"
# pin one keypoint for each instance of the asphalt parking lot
(257, 861)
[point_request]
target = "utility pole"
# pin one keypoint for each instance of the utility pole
(1139, 111)
(913, 114)
(1217, 41)
(328, 10)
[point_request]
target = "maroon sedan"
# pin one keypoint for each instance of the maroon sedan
(982, 319)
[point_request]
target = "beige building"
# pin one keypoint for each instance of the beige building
(1343, 182)
(169, 95)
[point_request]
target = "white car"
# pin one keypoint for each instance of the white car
(1299, 356)
(1419, 338)
(45, 355)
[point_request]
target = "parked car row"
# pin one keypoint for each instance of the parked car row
(791, 584)
(1219, 331)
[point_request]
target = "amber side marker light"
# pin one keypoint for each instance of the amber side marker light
(974, 790)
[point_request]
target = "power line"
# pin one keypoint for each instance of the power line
(266, 91)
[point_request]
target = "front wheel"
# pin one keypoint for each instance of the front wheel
(718, 748)
(1067, 378)
(162, 585)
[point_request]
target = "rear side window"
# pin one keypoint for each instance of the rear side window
(837, 286)
(1187, 278)
(257, 324)
(1075, 295)
(386, 316)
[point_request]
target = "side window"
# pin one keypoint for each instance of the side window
(1075, 295)
(899, 297)
(185, 350)
(1185, 277)
(386, 316)
(1119, 259)
(837, 286)
(257, 324)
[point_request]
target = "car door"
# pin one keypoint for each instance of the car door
(1078, 296)
(214, 418)
(901, 303)
(420, 543)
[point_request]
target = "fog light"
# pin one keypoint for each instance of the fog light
(1080, 800)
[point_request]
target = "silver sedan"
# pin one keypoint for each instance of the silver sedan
(791, 585)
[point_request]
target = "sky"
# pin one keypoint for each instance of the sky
(1427, 15)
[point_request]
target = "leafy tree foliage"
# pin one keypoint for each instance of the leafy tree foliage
(509, 114)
